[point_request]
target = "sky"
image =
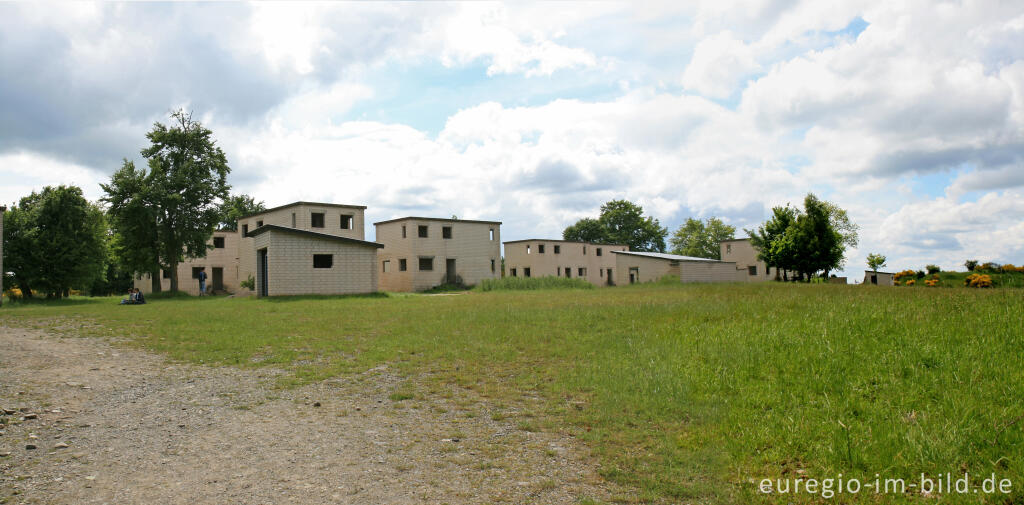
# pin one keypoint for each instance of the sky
(908, 114)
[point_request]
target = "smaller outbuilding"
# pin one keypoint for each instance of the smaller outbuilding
(632, 267)
(879, 278)
(292, 261)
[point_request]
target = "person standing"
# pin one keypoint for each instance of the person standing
(202, 281)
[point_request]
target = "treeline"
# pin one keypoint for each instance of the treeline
(149, 220)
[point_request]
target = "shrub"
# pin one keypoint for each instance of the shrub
(525, 283)
(932, 269)
(249, 284)
(919, 274)
(989, 267)
(1009, 268)
(911, 282)
(906, 273)
(931, 283)
(978, 281)
(971, 265)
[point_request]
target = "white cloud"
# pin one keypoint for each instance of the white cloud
(718, 64)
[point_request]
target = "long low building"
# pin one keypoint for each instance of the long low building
(562, 258)
(635, 267)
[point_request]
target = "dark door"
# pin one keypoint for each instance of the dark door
(874, 279)
(218, 279)
(261, 281)
(611, 280)
(449, 265)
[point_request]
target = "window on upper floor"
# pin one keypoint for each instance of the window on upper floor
(558, 249)
(540, 248)
(492, 233)
(446, 232)
(403, 231)
(245, 230)
(598, 251)
(218, 242)
(402, 265)
(346, 221)
(423, 231)
(316, 220)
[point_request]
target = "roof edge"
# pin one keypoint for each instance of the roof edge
(562, 241)
(273, 227)
(314, 204)
(442, 219)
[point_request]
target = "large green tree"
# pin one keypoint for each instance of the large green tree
(767, 239)
(701, 239)
(132, 217)
(56, 241)
(235, 207)
(585, 230)
(186, 179)
(620, 222)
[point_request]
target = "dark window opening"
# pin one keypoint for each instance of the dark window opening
(527, 249)
(598, 251)
(316, 220)
(426, 264)
(386, 266)
(323, 260)
(581, 272)
(293, 220)
(403, 231)
(259, 224)
(513, 272)
(728, 248)
(166, 274)
(195, 272)
(558, 249)
(492, 266)
(568, 272)
(218, 242)
(245, 230)
(422, 231)
(584, 250)
(446, 232)
(752, 269)
(346, 222)
(526, 272)
(540, 248)
(402, 265)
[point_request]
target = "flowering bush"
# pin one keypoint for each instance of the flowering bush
(906, 273)
(1008, 268)
(911, 282)
(978, 281)
(989, 267)
(933, 282)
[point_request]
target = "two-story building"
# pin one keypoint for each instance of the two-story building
(220, 264)
(594, 263)
(748, 268)
(420, 253)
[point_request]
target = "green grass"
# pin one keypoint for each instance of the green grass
(532, 283)
(956, 279)
(686, 393)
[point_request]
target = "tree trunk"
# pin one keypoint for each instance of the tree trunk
(777, 278)
(155, 283)
(174, 277)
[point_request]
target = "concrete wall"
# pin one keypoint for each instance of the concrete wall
(225, 258)
(743, 253)
(649, 269)
(3, 276)
(291, 272)
(476, 252)
(303, 216)
(571, 256)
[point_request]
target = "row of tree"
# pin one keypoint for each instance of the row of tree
(151, 219)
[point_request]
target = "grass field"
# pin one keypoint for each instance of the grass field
(686, 393)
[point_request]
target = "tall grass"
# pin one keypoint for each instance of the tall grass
(687, 393)
(529, 283)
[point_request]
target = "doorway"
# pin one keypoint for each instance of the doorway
(449, 271)
(218, 279)
(634, 275)
(261, 273)
(610, 280)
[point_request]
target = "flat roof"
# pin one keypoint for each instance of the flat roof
(444, 219)
(736, 239)
(312, 204)
(672, 257)
(877, 272)
(560, 240)
(273, 227)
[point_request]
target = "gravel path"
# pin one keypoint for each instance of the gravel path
(123, 426)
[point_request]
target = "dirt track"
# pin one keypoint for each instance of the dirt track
(141, 430)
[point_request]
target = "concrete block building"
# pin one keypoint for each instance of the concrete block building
(633, 267)
(220, 264)
(743, 253)
(420, 253)
(562, 258)
(879, 278)
(307, 248)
